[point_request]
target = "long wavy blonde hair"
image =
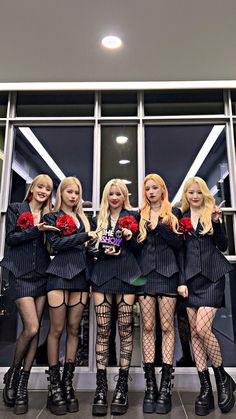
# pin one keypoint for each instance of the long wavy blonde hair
(78, 209)
(165, 210)
(104, 208)
(206, 208)
(46, 180)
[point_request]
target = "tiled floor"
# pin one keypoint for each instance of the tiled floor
(183, 408)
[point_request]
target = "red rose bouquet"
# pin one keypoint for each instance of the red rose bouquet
(185, 225)
(25, 220)
(66, 224)
(129, 222)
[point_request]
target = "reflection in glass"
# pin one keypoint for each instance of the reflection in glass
(119, 104)
(56, 151)
(55, 104)
(183, 103)
(112, 151)
(173, 151)
(3, 105)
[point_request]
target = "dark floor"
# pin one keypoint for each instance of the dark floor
(183, 407)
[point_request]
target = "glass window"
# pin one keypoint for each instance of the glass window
(172, 151)
(55, 104)
(2, 136)
(183, 103)
(119, 104)
(3, 104)
(119, 157)
(233, 98)
(57, 151)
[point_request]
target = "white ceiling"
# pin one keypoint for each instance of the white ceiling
(59, 40)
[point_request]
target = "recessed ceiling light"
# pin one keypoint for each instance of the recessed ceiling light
(124, 161)
(111, 42)
(121, 139)
(126, 181)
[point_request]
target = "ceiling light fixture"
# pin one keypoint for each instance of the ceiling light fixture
(124, 161)
(111, 42)
(126, 181)
(121, 139)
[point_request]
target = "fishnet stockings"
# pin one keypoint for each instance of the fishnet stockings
(30, 311)
(148, 310)
(167, 311)
(103, 317)
(204, 341)
(125, 327)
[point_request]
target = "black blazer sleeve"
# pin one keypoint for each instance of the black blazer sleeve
(59, 242)
(174, 240)
(220, 237)
(14, 234)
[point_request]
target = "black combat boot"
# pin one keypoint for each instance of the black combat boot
(150, 397)
(225, 388)
(21, 402)
(119, 404)
(56, 402)
(205, 401)
(10, 380)
(100, 398)
(164, 404)
(68, 391)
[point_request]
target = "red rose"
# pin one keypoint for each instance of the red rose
(185, 225)
(25, 220)
(129, 222)
(66, 224)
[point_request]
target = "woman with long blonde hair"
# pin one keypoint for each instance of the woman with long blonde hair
(114, 271)
(27, 261)
(67, 289)
(203, 288)
(160, 242)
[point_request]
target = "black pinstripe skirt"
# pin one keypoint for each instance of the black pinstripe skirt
(78, 282)
(27, 287)
(159, 284)
(205, 293)
(115, 286)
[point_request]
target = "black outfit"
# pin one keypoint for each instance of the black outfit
(205, 266)
(114, 274)
(68, 269)
(158, 259)
(27, 258)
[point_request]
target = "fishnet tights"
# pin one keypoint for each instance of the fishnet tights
(125, 327)
(167, 312)
(204, 341)
(103, 317)
(148, 311)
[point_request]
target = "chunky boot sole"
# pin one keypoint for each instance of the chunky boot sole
(204, 410)
(163, 409)
(7, 402)
(119, 409)
(230, 404)
(72, 407)
(20, 409)
(56, 410)
(149, 407)
(99, 409)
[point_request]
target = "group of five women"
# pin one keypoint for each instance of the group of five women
(151, 255)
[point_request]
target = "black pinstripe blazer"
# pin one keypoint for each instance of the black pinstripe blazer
(124, 266)
(70, 258)
(159, 251)
(203, 253)
(27, 251)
